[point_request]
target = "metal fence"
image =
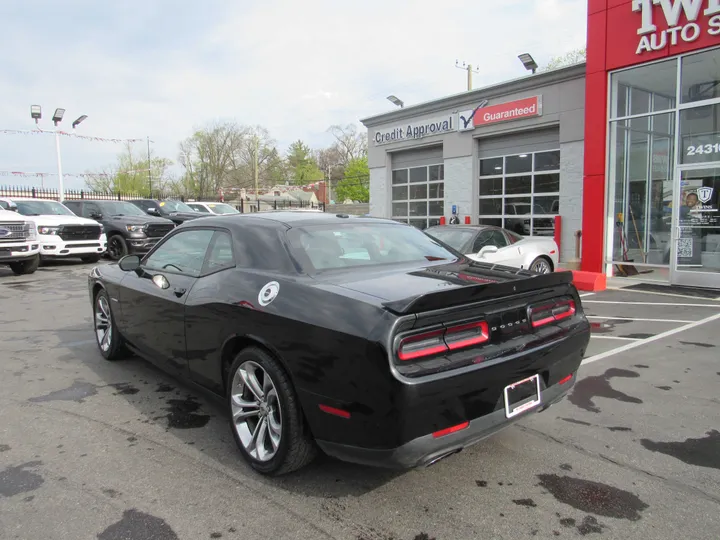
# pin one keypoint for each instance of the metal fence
(247, 204)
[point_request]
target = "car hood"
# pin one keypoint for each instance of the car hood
(184, 215)
(137, 220)
(391, 285)
(52, 219)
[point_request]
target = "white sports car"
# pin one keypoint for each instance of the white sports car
(499, 246)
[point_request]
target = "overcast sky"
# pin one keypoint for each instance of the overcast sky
(159, 68)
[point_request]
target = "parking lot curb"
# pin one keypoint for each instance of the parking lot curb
(588, 281)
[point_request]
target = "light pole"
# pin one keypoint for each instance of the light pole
(36, 114)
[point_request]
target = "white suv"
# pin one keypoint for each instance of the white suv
(61, 233)
(18, 243)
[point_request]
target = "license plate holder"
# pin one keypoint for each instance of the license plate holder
(522, 396)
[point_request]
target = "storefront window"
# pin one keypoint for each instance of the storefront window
(649, 174)
(701, 76)
(418, 195)
(520, 192)
(644, 90)
(700, 134)
(641, 168)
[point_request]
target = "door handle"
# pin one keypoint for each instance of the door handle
(179, 291)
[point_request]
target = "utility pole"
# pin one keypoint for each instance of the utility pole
(149, 173)
(469, 70)
(257, 194)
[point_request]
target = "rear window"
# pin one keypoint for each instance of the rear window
(455, 238)
(337, 246)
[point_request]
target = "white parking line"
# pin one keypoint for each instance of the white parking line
(624, 289)
(615, 337)
(650, 339)
(650, 304)
(587, 294)
(637, 319)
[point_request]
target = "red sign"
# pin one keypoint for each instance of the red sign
(645, 30)
(505, 112)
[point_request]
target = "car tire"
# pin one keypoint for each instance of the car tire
(28, 266)
(103, 320)
(279, 410)
(541, 265)
(90, 258)
(117, 247)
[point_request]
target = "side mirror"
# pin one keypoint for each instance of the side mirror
(485, 250)
(96, 215)
(129, 263)
(153, 211)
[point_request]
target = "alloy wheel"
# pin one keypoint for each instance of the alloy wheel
(115, 249)
(541, 266)
(256, 413)
(103, 323)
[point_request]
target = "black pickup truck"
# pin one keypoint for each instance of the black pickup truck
(128, 229)
(177, 211)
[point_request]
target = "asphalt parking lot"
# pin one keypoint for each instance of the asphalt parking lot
(93, 449)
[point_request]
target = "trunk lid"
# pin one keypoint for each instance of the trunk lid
(449, 285)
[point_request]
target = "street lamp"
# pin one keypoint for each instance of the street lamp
(36, 114)
(79, 119)
(395, 101)
(528, 62)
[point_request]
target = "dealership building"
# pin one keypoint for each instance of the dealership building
(618, 157)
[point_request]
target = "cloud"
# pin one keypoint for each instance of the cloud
(161, 68)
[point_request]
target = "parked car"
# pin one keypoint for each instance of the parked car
(19, 247)
(128, 229)
(176, 211)
(397, 359)
(499, 246)
(62, 234)
(213, 208)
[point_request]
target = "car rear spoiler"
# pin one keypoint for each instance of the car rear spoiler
(476, 293)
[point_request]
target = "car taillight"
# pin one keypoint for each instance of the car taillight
(546, 314)
(420, 345)
(443, 340)
(466, 335)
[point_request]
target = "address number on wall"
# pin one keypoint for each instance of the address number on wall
(703, 149)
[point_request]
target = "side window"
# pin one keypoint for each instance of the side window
(4, 205)
(513, 237)
(490, 237)
(221, 253)
(73, 206)
(182, 253)
(200, 208)
(89, 209)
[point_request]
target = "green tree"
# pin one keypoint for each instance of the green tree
(130, 174)
(355, 184)
(302, 167)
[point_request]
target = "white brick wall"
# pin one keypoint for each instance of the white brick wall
(379, 192)
(571, 184)
(459, 186)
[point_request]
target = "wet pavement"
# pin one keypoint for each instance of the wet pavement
(94, 449)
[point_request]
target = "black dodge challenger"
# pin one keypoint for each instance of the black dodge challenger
(360, 336)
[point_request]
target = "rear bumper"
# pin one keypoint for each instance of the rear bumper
(426, 450)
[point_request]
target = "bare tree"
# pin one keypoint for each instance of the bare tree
(573, 57)
(349, 143)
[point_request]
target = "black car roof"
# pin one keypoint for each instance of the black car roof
(288, 218)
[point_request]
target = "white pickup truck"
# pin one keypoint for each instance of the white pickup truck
(61, 234)
(19, 245)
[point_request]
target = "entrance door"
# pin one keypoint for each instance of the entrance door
(695, 249)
